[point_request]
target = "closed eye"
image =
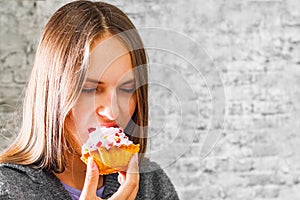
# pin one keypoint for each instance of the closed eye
(128, 90)
(90, 90)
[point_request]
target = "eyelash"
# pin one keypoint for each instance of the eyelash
(92, 90)
(129, 91)
(89, 90)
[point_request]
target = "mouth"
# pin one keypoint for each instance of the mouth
(108, 125)
(101, 125)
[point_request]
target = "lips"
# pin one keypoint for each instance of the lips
(107, 125)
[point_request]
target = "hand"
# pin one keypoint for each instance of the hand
(129, 182)
(90, 182)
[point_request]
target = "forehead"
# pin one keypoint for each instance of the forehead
(109, 59)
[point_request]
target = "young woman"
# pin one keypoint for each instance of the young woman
(90, 70)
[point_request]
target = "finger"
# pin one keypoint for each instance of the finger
(91, 181)
(133, 167)
(133, 177)
(121, 177)
(129, 188)
(132, 173)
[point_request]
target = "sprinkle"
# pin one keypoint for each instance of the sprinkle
(91, 130)
(117, 134)
(98, 144)
(120, 131)
(117, 139)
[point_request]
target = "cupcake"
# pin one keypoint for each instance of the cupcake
(110, 148)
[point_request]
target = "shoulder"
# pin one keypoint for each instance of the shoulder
(14, 172)
(154, 182)
(9, 173)
(151, 169)
(12, 180)
(24, 182)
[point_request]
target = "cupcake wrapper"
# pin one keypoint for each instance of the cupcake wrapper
(111, 160)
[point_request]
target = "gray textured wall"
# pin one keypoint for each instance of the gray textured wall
(255, 46)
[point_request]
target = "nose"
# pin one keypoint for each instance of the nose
(107, 106)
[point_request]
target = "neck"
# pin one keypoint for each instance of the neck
(74, 174)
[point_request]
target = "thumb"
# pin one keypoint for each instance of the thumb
(91, 181)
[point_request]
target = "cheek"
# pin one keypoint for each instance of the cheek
(130, 106)
(127, 106)
(83, 111)
(79, 121)
(71, 134)
(83, 104)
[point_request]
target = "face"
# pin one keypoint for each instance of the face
(108, 98)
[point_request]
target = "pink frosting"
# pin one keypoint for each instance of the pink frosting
(106, 137)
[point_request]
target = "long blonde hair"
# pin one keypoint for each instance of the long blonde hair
(57, 78)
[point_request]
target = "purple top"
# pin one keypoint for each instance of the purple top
(75, 193)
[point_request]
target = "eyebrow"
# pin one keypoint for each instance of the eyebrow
(100, 82)
(128, 82)
(93, 81)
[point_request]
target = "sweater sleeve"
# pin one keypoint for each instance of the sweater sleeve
(155, 184)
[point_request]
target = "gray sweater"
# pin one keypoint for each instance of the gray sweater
(22, 182)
